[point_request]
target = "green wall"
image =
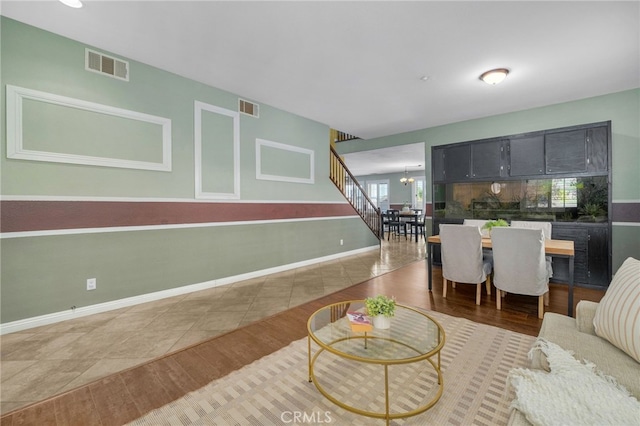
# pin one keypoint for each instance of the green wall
(399, 193)
(46, 272)
(36, 59)
(623, 109)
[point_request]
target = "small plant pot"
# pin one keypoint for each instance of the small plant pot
(381, 322)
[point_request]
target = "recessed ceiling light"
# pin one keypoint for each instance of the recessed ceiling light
(76, 4)
(425, 78)
(495, 76)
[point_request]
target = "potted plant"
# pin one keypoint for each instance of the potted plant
(491, 223)
(381, 308)
(591, 212)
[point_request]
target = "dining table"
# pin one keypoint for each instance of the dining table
(553, 248)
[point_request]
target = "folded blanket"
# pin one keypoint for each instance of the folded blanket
(572, 393)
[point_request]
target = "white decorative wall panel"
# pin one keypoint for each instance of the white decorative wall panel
(285, 163)
(217, 152)
(47, 127)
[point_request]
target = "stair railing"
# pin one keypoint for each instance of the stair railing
(354, 193)
(342, 136)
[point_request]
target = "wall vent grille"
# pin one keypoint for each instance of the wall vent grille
(248, 108)
(104, 64)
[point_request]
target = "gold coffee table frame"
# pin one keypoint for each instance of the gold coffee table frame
(334, 316)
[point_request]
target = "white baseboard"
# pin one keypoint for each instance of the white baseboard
(27, 323)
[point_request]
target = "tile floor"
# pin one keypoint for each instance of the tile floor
(41, 362)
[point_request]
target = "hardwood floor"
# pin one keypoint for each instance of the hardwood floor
(125, 396)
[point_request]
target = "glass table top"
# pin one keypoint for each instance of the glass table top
(413, 334)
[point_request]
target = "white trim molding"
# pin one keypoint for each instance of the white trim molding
(277, 145)
(158, 199)
(24, 324)
(199, 107)
(16, 149)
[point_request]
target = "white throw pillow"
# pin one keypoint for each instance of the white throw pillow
(617, 317)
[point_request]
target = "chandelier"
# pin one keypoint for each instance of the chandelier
(406, 179)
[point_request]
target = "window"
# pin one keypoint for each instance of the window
(564, 192)
(378, 191)
(536, 194)
(418, 193)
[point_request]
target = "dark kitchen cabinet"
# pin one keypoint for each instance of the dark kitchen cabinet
(566, 152)
(526, 155)
(487, 159)
(456, 162)
(591, 261)
(598, 256)
(437, 164)
(577, 151)
(598, 149)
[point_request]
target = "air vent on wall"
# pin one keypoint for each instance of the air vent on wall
(104, 64)
(248, 108)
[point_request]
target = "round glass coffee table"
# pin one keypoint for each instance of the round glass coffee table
(413, 337)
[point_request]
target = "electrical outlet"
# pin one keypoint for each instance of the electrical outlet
(91, 284)
(341, 242)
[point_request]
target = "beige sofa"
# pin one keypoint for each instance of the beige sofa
(578, 335)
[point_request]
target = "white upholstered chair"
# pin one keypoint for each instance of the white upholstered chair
(546, 229)
(519, 264)
(487, 254)
(479, 223)
(461, 251)
(545, 226)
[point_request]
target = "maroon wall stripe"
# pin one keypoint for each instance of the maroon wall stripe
(625, 212)
(18, 216)
(429, 210)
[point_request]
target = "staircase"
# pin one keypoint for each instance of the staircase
(354, 193)
(342, 136)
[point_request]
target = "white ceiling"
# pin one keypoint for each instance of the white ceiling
(357, 66)
(387, 160)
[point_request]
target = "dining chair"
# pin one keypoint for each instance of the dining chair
(487, 254)
(479, 223)
(417, 225)
(395, 224)
(519, 264)
(385, 222)
(417, 213)
(461, 256)
(546, 229)
(545, 226)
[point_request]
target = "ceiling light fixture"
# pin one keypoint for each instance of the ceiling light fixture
(76, 4)
(494, 77)
(406, 179)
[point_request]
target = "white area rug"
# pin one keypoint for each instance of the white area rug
(274, 390)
